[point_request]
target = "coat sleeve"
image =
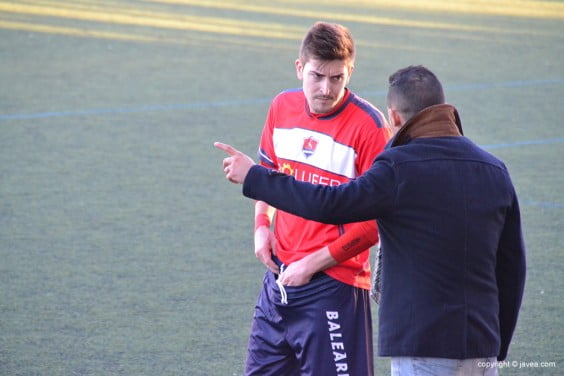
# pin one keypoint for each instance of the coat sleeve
(510, 274)
(368, 197)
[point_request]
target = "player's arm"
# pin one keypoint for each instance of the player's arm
(359, 238)
(264, 239)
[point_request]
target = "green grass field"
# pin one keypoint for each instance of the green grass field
(123, 250)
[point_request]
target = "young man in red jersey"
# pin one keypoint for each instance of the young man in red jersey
(322, 134)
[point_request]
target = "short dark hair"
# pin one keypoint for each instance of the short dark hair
(412, 89)
(326, 41)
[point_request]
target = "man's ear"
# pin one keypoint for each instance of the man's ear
(394, 118)
(299, 69)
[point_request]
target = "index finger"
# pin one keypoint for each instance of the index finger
(226, 148)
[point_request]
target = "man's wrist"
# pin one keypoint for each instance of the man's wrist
(262, 220)
(318, 261)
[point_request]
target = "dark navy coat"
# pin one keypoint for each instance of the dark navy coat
(450, 229)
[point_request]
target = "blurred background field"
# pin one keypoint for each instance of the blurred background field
(123, 251)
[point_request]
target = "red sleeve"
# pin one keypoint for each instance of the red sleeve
(359, 238)
(371, 145)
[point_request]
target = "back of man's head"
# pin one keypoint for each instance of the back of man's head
(412, 89)
(327, 41)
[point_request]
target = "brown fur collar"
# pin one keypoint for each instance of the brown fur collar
(441, 120)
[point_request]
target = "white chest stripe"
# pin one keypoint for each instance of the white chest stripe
(325, 154)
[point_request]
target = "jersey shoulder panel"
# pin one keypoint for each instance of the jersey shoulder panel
(369, 109)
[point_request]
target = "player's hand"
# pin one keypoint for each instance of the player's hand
(296, 274)
(300, 272)
(265, 247)
(237, 165)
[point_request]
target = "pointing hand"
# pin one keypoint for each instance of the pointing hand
(237, 165)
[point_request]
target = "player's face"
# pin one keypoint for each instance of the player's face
(323, 83)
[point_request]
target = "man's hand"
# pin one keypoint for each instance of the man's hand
(300, 272)
(265, 247)
(237, 165)
(297, 273)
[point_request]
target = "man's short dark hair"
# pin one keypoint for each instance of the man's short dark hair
(412, 89)
(327, 41)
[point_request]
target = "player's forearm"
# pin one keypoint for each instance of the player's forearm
(263, 214)
(318, 261)
(262, 207)
(360, 237)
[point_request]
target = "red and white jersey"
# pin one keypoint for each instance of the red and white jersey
(328, 149)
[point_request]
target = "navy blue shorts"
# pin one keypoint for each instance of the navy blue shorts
(324, 329)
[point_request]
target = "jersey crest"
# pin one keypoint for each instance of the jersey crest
(309, 146)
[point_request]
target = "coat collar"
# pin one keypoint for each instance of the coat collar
(441, 120)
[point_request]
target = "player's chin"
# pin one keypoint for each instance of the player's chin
(323, 107)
